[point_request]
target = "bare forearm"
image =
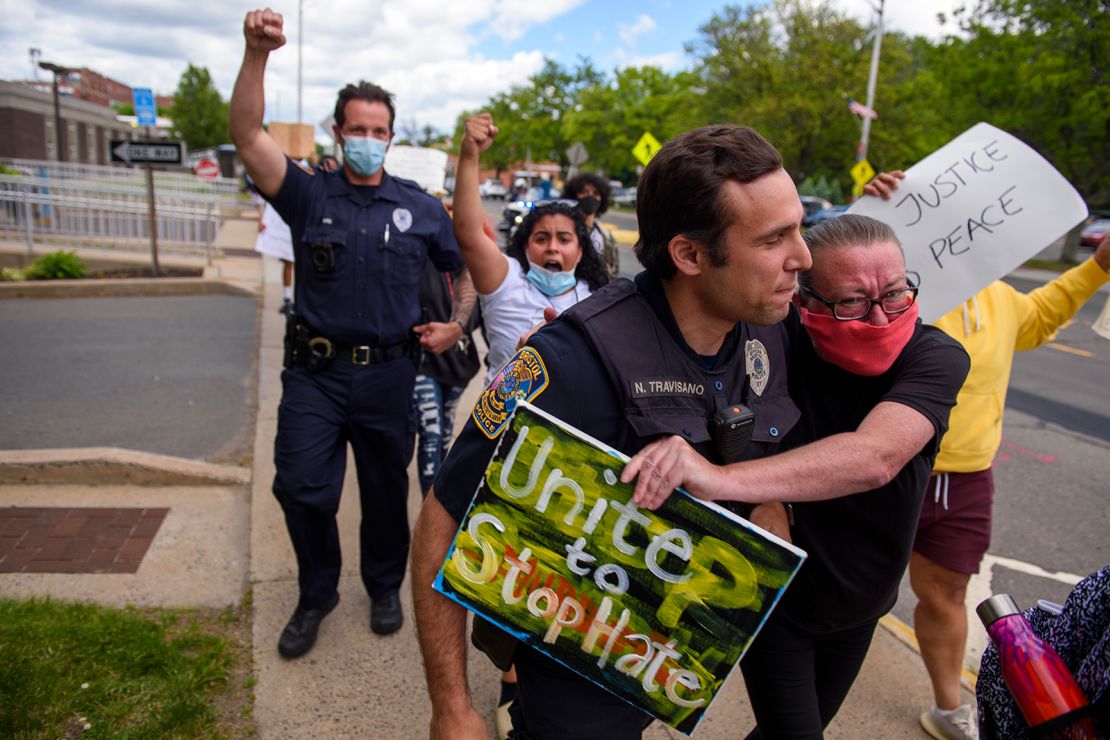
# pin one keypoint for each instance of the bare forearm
(468, 211)
(440, 622)
(260, 154)
(466, 297)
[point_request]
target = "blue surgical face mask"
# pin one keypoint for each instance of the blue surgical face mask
(548, 282)
(364, 154)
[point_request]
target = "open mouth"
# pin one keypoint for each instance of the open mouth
(553, 265)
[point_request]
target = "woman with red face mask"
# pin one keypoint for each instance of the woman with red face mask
(875, 388)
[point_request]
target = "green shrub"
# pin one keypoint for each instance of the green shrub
(13, 273)
(57, 266)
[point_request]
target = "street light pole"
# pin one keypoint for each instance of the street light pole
(57, 69)
(865, 131)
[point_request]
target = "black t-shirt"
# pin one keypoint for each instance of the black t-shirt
(859, 545)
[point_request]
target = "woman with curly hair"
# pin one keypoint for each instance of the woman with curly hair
(550, 261)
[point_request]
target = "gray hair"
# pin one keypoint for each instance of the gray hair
(849, 230)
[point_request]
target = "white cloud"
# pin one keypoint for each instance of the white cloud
(667, 61)
(512, 18)
(914, 18)
(629, 31)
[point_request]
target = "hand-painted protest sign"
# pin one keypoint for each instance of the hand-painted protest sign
(972, 211)
(427, 167)
(655, 606)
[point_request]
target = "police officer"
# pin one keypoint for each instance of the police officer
(361, 240)
(694, 335)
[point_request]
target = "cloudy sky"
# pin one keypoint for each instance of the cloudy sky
(440, 57)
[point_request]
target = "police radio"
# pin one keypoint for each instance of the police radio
(731, 428)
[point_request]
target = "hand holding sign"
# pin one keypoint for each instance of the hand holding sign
(972, 211)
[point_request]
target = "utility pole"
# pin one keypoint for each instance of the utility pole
(865, 132)
(56, 69)
(300, 45)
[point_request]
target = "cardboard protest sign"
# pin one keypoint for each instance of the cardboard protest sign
(428, 167)
(1102, 326)
(655, 606)
(972, 211)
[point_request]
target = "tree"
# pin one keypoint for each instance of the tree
(199, 113)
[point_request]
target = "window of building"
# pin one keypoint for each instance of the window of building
(51, 140)
(71, 141)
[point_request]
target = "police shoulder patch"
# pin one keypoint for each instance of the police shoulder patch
(522, 378)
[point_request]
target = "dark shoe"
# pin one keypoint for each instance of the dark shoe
(385, 614)
(286, 307)
(299, 635)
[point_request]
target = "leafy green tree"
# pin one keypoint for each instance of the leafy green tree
(611, 116)
(199, 113)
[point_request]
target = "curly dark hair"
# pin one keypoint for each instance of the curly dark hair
(576, 184)
(367, 91)
(589, 266)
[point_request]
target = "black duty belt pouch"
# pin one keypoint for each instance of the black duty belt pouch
(496, 643)
(295, 344)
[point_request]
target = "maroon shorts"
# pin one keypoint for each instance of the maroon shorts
(955, 526)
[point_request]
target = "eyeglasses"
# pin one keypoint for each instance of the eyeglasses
(857, 307)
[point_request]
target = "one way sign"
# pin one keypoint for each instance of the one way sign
(147, 152)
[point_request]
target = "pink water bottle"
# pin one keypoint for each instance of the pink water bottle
(1038, 679)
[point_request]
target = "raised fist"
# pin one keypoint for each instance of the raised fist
(263, 30)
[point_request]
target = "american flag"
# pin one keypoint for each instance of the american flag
(861, 110)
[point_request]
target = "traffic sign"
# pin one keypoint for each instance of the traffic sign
(145, 110)
(577, 153)
(207, 169)
(147, 152)
(646, 148)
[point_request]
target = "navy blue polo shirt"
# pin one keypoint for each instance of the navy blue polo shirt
(380, 239)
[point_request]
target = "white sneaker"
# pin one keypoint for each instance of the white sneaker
(959, 724)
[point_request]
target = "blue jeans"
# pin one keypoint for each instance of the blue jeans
(435, 405)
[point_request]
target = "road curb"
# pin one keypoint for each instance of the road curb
(123, 287)
(113, 466)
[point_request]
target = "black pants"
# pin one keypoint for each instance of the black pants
(555, 703)
(369, 406)
(796, 681)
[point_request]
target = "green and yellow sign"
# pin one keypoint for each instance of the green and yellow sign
(655, 606)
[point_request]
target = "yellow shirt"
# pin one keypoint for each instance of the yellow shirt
(992, 325)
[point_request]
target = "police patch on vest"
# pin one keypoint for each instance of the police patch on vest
(402, 219)
(758, 365)
(648, 387)
(522, 378)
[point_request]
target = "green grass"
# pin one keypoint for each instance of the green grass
(126, 673)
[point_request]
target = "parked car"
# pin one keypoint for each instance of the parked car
(1093, 232)
(625, 197)
(493, 188)
(811, 204)
(825, 214)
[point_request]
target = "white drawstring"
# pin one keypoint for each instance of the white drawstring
(941, 488)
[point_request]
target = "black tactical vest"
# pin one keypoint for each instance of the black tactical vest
(665, 391)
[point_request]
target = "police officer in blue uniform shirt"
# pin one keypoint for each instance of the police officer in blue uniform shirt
(361, 239)
(696, 333)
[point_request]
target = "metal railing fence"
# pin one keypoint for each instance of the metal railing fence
(228, 189)
(106, 215)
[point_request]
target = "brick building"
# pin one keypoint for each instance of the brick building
(87, 84)
(27, 125)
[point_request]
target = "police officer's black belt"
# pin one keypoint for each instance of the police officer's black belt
(366, 355)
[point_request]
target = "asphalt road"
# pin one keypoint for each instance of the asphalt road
(172, 375)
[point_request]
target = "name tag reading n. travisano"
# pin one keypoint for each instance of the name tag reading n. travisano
(655, 606)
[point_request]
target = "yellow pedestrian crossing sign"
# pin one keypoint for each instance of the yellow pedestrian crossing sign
(646, 148)
(862, 172)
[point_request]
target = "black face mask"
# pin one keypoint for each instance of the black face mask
(589, 205)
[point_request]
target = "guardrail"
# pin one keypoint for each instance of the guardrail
(228, 189)
(106, 215)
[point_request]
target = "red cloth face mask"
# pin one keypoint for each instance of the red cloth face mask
(856, 346)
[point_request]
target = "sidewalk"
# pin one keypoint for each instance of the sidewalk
(223, 531)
